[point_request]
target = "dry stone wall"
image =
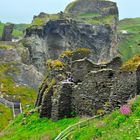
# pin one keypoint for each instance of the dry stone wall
(95, 89)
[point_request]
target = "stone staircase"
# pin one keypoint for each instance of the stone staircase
(14, 105)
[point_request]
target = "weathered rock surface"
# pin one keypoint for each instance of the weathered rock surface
(23, 74)
(57, 36)
(101, 7)
(51, 39)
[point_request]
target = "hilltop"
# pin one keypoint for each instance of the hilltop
(130, 42)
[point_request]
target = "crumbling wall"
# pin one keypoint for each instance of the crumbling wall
(91, 95)
(124, 88)
(61, 101)
(96, 89)
(7, 32)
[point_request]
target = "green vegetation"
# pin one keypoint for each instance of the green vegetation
(10, 90)
(39, 21)
(55, 64)
(130, 44)
(6, 46)
(5, 116)
(98, 21)
(18, 29)
(115, 126)
(36, 128)
(70, 5)
(121, 126)
(130, 24)
(132, 64)
(89, 15)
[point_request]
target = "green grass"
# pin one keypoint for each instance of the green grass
(130, 24)
(129, 46)
(6, 46)
(36, 128)
(100, 21)
(8, 87)
(89, 15)
(113, 127)
(5, 116)
(39, 21)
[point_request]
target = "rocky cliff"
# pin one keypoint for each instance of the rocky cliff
(26, 75)
(93, 27)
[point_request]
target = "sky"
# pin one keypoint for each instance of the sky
(22, 11)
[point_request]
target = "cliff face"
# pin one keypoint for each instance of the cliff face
(13, 66)
(101, 7)
(89, 28)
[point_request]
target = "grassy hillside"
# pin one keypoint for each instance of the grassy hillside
(18, 29)
(115, 126)
(130, 43)
(5, 116)
(33, 128)
(8, 87)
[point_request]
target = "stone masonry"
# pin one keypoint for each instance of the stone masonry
(95, 88)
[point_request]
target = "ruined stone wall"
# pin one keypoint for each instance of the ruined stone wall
(96, 89)
(46, 106)
(7, 32)
(91, 95)
(82, 67)
(124, 88)
(138, 80)
(61, 101)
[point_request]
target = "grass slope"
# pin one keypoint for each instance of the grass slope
(115, 126)
(35, 128)
(9, 88)
(5, 116)
(130, 44)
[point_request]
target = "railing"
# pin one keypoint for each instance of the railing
(68, 131)
(15, 106)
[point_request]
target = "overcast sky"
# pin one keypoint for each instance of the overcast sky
(22, 11)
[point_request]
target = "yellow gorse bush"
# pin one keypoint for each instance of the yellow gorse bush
(83, 50)
(67, 53)
(132, 64)
(55, 64)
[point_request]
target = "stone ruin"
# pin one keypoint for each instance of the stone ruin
(96, 88)
(7, 32)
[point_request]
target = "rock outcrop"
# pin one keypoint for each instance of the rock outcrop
(101, 7)
(7, 32)
(68, 30)
(21, 73)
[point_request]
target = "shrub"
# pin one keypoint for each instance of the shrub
(83, 50)
(67, 53)
(132, 64)
(55, 64)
